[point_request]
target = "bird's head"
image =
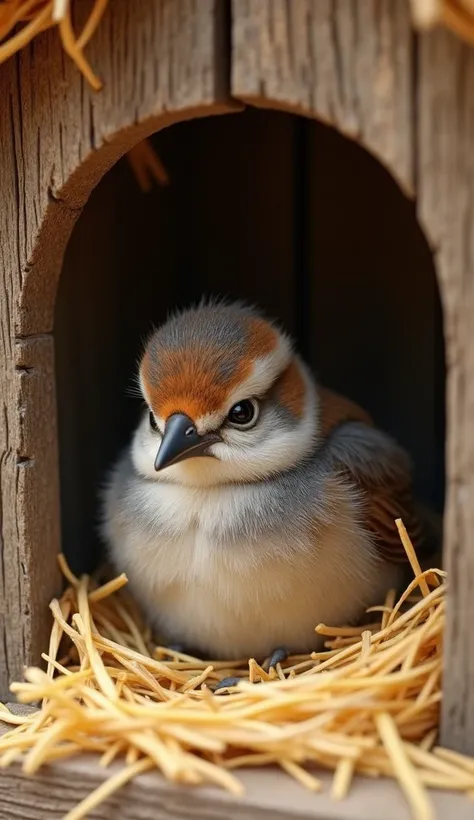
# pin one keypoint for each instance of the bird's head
(228, 399)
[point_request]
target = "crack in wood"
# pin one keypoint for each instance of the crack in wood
(24, 461)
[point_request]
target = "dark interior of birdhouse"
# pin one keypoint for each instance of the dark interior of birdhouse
(278, 210)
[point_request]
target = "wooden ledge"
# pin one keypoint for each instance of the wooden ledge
(55, 790)
(269, 793)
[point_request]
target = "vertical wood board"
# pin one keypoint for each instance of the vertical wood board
(347, 64)
(445, 172)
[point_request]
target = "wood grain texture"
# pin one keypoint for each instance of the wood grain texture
(446, 209)
(162, 62)
(269, 795)
(347, 64)
(36, 497)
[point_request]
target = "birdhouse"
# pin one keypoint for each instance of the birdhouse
(317, 159)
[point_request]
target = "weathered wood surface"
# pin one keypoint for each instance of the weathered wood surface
(269, 795)
(348, 64)
(445, 153)
(161, 62)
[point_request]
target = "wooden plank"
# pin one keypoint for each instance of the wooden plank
(269, 793)
(153, 56)
(347, 64)
(28, 480)
(10, 605)
(445, 174)
(36, 499)
(161, 62)
(29, 539)
(57, 789)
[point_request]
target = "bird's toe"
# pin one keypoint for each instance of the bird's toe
(227, 683)
(279, 655)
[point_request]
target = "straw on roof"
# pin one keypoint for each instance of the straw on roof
(455, 15)
(23, 20)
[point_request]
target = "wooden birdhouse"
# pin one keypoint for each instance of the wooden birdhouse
(318, 161)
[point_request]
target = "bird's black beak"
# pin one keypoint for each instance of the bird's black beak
(181, 440)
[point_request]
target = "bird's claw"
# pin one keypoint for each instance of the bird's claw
(227, 683)
(278, 656)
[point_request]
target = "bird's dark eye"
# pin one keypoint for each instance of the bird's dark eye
(244, 414)
(153, 423)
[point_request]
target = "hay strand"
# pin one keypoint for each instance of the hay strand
(455, 15)
(22, 20)
(35, 16)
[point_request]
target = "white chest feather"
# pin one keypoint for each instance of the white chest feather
(209, 583)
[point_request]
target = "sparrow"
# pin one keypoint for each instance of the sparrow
(252, 503)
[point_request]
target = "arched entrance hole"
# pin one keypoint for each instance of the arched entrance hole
(268, 207)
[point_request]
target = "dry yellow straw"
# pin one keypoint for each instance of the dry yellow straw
(455, 15)
(22, 20)
(368, 704)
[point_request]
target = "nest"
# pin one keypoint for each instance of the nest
(368, 704)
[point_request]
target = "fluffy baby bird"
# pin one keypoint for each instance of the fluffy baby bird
(252, 503)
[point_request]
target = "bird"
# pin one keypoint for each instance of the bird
(252, 502)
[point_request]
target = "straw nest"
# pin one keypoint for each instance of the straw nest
(368, 704)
